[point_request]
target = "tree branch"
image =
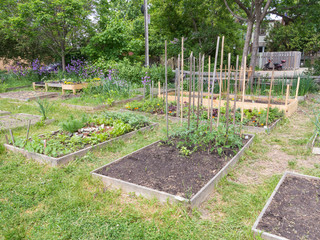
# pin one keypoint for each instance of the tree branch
(233, 14)
(265, 10)
(243, 7)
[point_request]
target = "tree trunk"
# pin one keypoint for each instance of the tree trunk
(247, 41)
(255, 47)
(63, 60)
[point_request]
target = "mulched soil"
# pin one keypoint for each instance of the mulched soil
(161, 166)
(18, 120)
(294, 212)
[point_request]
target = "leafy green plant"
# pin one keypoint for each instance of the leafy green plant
(44, 108)
(72, 125)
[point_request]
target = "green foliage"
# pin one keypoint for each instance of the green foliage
(199, 137)
(44, 107)
(72, 125)
(64, 142)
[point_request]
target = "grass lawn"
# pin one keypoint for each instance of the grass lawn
(41, 202)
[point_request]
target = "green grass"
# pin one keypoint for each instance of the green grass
(40, 202)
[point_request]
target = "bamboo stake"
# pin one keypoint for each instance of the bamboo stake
(178, 102)
(190, 86)
(297, 90)
(220, 83)
(243, 85)
(269, 99)
(202, 70)
(12, 138)
(29, 123)
(228, 89)
(194, 83)
(152, 88)
(235, 92)
(198, 95)
(182, 50)
(166, 83)
(209, 81)
(287, 95)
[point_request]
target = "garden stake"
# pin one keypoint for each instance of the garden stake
(166, 83)
(297, 90)
(213, 80)
(287, 95)
(194, 83)
(235, 92)
(159, 90)
(190, 83)
(182, 50)
(12, 138)
(29, 123)
(259, 86)
(202, 70)
(178, 102)
(152, 88)
(150, 92)
(269, 99)
(243, 85)
(220, 83)
(198, 95)
(228, 89)
(209, 83)
(6, 138)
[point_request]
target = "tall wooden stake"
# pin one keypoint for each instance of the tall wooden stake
(179, 75)
(209, 83)
(243, 85)
(194, 84)
(198, 95)
(202, 70)
(228, 89)
(269, 99)
(235, 92)
(287, 95)
(220, 83)
(190, 86)
(182, 50)
(298, 85)
(213, 80)
(166, 83)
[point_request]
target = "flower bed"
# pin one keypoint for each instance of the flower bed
(79, 136)
(186, 167)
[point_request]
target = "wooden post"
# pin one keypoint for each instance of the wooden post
(269, 98)
(194, 84)
(214, 77)
(12, 138)
(209, 62)
(190, 86)
(152, 89)
(298, 85)
(202, 70)
(34, 86)
(228, 89)
(159, 89)
(235, 92)
(46, 86)
(29, 123)
(287, 95)
(166, 83)
(178, 102)
(243, 85)
(220, 83)
(182, 50)
(7, 140)
(198, 95)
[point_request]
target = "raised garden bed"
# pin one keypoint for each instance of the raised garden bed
(56, 84)
(4, 112)
(62, 146)
(20, 120)
(292, 211)
(159, 170)
(103, 106)
(315, 145)
(258, 102)
(28, 95)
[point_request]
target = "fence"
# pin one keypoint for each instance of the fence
(293, 59)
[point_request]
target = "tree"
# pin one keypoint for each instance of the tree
(60, 25)
(255, 11)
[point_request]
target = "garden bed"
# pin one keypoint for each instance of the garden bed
(56, 84)
(20, 120)
(102, 106)
(77, 137)
(315, 145)
(159, 171)
(259, 102)
(28, 95)
(292, 211)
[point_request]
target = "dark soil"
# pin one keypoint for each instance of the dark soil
(162, 167)
(294, 212)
